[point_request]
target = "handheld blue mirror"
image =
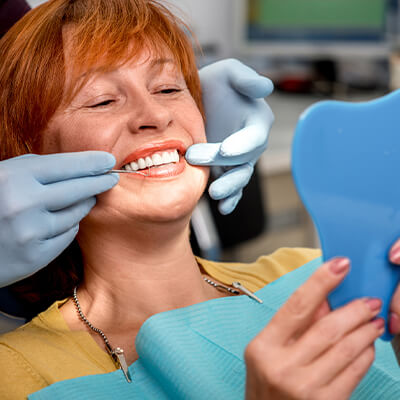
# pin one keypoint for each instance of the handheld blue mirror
(346, 166)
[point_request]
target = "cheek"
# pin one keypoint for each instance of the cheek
(63, 136)
(192, 121)
(201, 134)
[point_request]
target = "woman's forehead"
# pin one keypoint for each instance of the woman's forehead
(80, 73)
(154, 57)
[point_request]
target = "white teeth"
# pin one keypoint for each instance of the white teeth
(156, 159)
(149, 162)
(175, 156)
(134, 166)
(141, 163)
(166, 158)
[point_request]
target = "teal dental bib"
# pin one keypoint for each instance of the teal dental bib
(346, 165)
(196, 353)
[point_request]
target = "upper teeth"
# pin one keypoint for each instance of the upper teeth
(166, 157)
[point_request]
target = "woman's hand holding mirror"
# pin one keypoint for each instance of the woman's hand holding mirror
(309, 352)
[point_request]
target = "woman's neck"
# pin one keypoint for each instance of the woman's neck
(133, 273)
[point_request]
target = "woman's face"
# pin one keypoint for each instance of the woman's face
(143, 114)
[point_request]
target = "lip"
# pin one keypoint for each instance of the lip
(163, 171)
(154, 147)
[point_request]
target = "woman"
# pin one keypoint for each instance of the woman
(237, 84)
(119, 76)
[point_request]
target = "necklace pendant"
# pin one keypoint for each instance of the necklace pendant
(249, 293)
(119, 357)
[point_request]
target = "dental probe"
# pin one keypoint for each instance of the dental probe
(124, 171)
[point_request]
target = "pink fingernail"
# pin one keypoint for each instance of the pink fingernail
(374, 304)
(394, 255)
(339, 265)
(379, 323)
(394, 323)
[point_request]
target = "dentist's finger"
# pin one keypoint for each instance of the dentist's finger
(62, 221)
(203, 154)
(245, 141)
(53, 247)
(247, 81)
(49, 250)
(209, 154)
(231, 182)
(29, 155)
(59, 167)
(254, 136)
(227, 205)
(64, 194)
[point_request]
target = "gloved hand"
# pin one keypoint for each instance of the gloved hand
(238, 121)
(42, 200)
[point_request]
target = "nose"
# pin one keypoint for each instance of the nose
(150, 114)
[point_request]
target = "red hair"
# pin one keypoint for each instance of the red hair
(103, 34)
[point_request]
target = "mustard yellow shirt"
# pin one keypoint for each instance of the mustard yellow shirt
(45, 350)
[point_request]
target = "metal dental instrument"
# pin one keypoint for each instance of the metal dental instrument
(249, 293)
(124, 171)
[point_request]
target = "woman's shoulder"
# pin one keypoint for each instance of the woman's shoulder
(264, 270)
(18, 351)
(18, 378)
(45, 324)
(291, 257)
(45, 351)
(29, 342)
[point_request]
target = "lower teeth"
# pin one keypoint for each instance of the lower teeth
(154, 166)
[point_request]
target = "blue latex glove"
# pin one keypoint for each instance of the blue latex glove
(42, 201)
(238, 121)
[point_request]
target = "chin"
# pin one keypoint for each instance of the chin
(155, 201)
(168, 210)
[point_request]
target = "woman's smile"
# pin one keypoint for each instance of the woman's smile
(157, 160)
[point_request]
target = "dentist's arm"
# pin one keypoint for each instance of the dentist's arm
(238, 121)
(42, 201)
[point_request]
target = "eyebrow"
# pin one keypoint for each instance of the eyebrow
(158, 63)
(162, 61)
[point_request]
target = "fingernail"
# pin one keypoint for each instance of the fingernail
(379, 323)
(394, 323)
(394, 255)
(339, 265)
(374, 304)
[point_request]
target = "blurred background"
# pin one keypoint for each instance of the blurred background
(312, 50)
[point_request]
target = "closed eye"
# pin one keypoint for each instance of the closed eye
(102, 103)
(171, 90)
